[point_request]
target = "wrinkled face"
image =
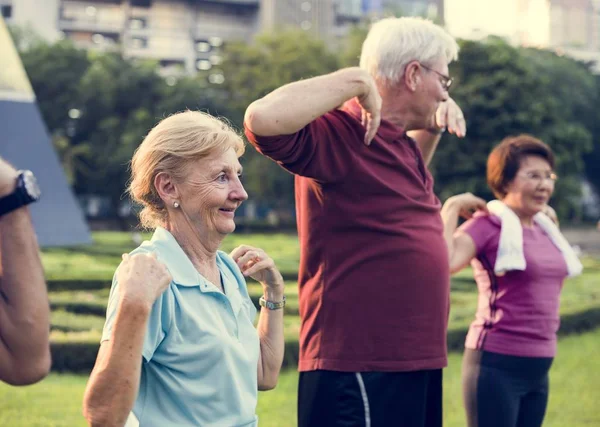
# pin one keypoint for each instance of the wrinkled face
(431, 90)
(531, 189)
(212, 191)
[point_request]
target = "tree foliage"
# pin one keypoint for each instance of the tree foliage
(99, 106)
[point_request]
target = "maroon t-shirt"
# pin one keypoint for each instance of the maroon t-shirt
(374, 275)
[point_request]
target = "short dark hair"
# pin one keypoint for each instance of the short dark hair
(505, 160)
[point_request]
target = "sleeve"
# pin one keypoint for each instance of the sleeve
(324, 150)
(481, 229)
(158, 322)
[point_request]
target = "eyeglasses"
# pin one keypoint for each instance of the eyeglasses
(446, 80)
(539, 177)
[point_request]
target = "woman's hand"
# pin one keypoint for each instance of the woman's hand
(551, 213)
(255, 263)
(467, 204)
(142, 278)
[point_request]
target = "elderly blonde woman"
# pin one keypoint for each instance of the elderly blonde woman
(179, 347)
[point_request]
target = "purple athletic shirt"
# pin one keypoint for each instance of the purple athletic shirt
(517, 313)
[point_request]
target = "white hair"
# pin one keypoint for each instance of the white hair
(394, 42)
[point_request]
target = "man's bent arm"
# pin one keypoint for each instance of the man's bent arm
(24, 308)
(427, 143)
(291, 107)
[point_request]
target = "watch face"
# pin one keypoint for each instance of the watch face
(31, 185)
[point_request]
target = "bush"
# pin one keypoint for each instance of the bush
(80, 356)
(80, 307)
(77, 284)
(570, 324)
(77, 357)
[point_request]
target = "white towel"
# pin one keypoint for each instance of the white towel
(510, 248)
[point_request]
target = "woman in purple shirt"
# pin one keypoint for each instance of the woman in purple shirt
(512, 341)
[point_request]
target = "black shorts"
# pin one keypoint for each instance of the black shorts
(370, 399)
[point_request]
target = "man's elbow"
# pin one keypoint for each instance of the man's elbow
(268, 383)
(258, 119)
(29, 370)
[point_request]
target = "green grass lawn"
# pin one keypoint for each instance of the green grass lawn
(78, 316)
(574, 378)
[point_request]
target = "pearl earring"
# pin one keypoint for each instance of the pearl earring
(175, 205)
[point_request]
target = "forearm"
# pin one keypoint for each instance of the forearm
(450, 214)
(427, 143)
(24, 308)
(114, 382)
(270, 333)
(291, 107)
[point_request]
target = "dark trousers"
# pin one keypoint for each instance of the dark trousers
(370, 399)
(504, 391)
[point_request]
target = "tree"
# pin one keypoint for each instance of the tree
(505, 91)
(251, 72)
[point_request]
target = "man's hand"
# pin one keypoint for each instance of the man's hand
(8, 178)
(450, 116)
(370, 103)
(142, 278)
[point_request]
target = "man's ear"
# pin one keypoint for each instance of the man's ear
(412, 75)
(166, 188)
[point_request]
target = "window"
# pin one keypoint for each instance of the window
(139, 42)
(138, 23)
(141, 3)
(203, 46)
(203, 64)
(6, 10)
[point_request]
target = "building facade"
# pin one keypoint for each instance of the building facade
(186, 35)
(570, 27)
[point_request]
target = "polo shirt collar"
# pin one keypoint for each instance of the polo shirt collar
(387, 131)
(169, 252)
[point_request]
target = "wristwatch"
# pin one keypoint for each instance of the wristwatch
(270, 304)
(437, 131)
(26, 192)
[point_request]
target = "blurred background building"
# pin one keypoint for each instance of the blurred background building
(567, 26)
(186, 35)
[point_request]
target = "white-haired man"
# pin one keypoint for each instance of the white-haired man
(374, 276)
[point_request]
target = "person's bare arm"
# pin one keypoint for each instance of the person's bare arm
(113, 385)
(448, 116)
(291, 107)
(427, 142)
(24, 308)
(461, 248)
(257, 264)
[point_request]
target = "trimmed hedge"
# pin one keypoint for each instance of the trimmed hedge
(80, 307)
(94, 284)
(77, 357)
(99, 309)
(80, 357)
(77, 284)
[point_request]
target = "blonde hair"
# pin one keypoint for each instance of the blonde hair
(394, 42)
(169, 147)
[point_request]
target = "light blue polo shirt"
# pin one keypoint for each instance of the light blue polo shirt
(200, 355)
